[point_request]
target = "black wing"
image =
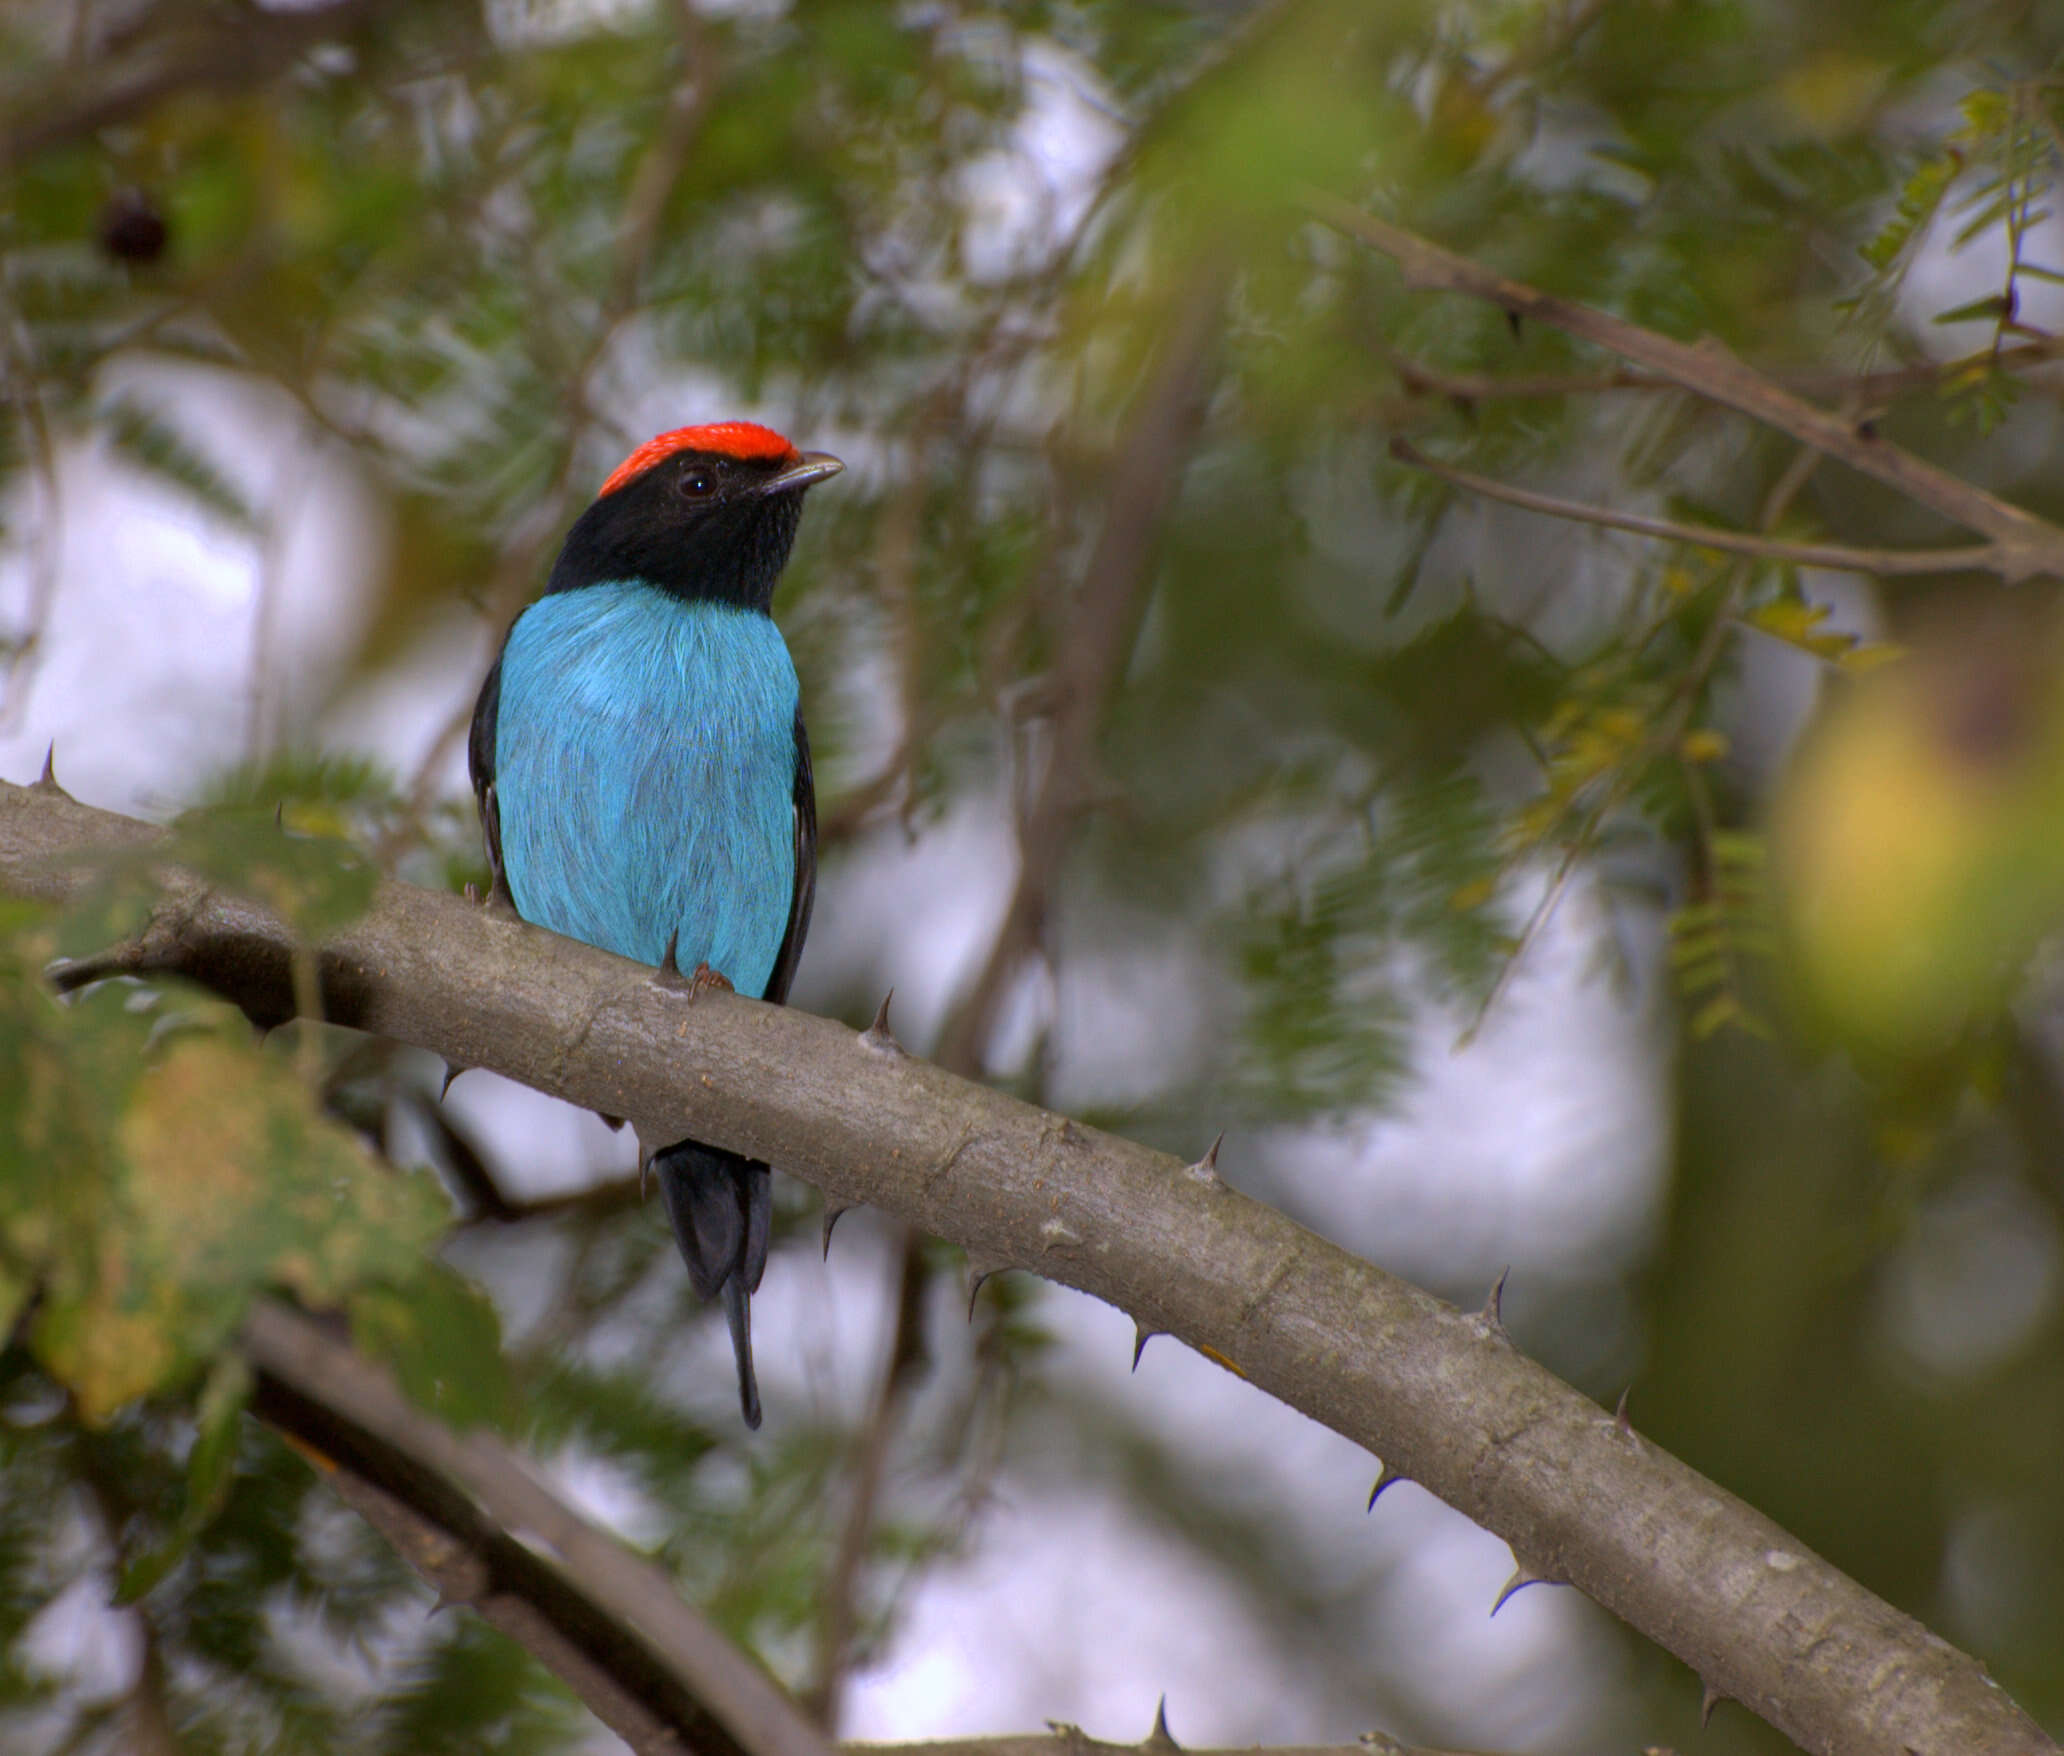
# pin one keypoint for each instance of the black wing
(480, 764)
(805, 868)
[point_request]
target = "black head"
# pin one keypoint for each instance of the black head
(703, 512)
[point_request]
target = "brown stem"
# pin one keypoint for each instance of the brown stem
(249, 48)
(466, 1513)
(2023, 545)
(1101, 625)
(1885, 563)
(837, 1617)
(1861, 390)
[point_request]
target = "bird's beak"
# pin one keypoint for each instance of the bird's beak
(809, 466)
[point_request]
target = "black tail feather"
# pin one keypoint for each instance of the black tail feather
(721, 1206)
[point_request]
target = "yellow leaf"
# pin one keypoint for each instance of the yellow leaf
(1702, 745)
(1472, 895)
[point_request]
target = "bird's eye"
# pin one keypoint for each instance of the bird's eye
(698, 484)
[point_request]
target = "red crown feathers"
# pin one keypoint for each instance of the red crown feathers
(741, 439)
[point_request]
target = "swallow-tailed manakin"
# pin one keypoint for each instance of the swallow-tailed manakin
(643, 775)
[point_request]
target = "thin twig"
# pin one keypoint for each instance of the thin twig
(837, 1617)
(1101, 625)
(248, 48)
(2024, 546)
(1665, 735)
(1885, 563)
(1865, 390)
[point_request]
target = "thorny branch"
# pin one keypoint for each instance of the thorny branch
(2021, 546)
(1067, 1740)
(1444, 1399)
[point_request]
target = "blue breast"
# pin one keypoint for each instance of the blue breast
(645, 774)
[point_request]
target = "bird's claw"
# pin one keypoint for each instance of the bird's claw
(705, 978)
(698, 981)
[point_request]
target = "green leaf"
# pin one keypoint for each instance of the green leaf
(150, 442)
(210, 1469)
(441, 1335)
(228, 1181)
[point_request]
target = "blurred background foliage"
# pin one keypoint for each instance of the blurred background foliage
(1395, 782)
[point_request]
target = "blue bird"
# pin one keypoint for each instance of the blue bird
(643, 775)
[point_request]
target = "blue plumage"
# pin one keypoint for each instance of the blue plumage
(644, 777)
(645, 770)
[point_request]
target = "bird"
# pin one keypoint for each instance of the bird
(642, 771)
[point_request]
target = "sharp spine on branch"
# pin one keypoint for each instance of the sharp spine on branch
(46, 782)
(1205, 1170)
(1520, 1580)
(1386, 1477)
(1160, 1738)
(833, 1213)
(1141, 1335)
(452, 1070)
(1493, 1314)
(877, 1036)
(979, 1269)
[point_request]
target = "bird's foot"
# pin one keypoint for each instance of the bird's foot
(699, 981)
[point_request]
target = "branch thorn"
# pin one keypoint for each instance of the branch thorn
(979, 1269)
(452, 1069)
(1205, 1170)
(670, 960)
(1493, 1313)
(46, 782)
(1621, 1424)
(1709, 1698)
(1141, 1335)
(1160, 1738)
(1520, 1580)
(833, 1212)
(1386, 1477)
(877, 1036)
(646, 1154)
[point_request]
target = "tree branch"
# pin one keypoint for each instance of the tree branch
(255, 46)
(1885, 563)
(1862, 390)
(2023, 545)
(1067, 1740)
(468, 1516)
(1147, 468)
(1443, 1398)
